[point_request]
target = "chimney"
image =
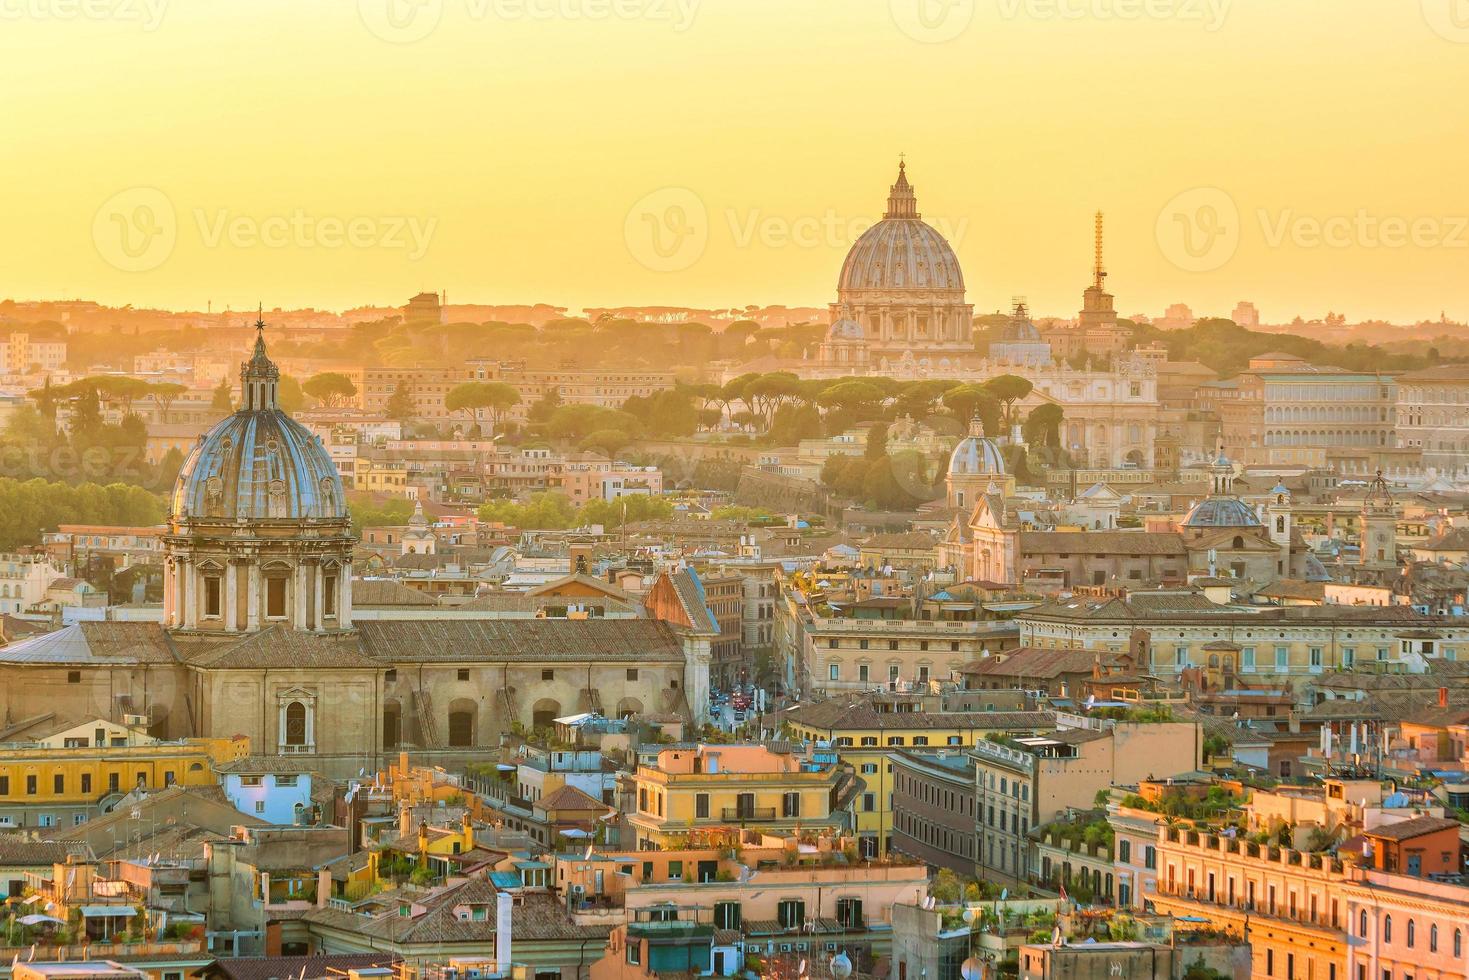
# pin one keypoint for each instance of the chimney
(1295, 723)
(1443, 697)
(503, 906)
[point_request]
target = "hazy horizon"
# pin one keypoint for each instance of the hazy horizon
(681, 153)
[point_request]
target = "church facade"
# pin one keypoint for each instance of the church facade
(258, 638)
(1221, 536)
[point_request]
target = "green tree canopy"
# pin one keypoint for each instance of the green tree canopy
(330, 388)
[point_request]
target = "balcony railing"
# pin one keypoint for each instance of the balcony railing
(748, 813)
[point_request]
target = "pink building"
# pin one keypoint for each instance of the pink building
(586, 479)
(1402, 927)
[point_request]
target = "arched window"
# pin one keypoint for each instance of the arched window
(392, 723)
(1458, 942)
(1362, 925)
(1433, 939)
(295, 723)
(463, 715)
(1412, 932)
(1387, 928)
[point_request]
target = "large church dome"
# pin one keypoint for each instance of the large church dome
(259, 463)
(901, 251)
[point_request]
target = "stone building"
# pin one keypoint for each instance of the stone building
(258, 637)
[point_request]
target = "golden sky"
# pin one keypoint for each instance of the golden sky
(1305, 154)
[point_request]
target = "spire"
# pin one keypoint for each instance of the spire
(1099, 272)
(902, 203)
(259, 376)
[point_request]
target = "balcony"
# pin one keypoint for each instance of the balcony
(737, 813)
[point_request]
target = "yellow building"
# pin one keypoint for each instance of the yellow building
(866, 730)
(1287, 904)
(71, 775)
(379, 476)
(704, 790)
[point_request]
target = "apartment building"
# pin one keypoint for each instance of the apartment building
(125, 545)
(1244, 645)
(724, 595)
(933, 805)
(71, 775)
(824, 655)
(20, 354)
(609, 389)
(1022, 783)
(24, 580)
(871, 731)
(811, 900)
(1287, 903)
(760, 787)
(1432, 416)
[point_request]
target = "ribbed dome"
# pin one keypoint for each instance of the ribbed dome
(901, 251)
(1222, 512)
(845, 330)
(1019, 329)
(976, 455)
(259, 463)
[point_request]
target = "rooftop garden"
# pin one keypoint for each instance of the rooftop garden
(1089, 832)
(1215, 805)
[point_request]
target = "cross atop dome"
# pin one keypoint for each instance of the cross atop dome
(902, 202)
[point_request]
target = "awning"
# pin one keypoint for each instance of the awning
(108, 911)
(36, 919)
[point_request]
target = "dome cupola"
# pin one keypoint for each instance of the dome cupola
(258, 527)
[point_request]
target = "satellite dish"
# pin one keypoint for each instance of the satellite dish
(841, 966)
(971, 969)
(1004, 894)
(801, 970)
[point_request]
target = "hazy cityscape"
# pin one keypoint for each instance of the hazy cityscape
(574, 490)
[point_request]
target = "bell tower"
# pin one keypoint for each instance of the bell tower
(1279, 525)
(1379, 539)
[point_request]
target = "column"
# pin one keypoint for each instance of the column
(344, 595)
(298, 596)
(191, 595)
(170, 592)
(231, 598)
(252, 597)
(318, 611)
